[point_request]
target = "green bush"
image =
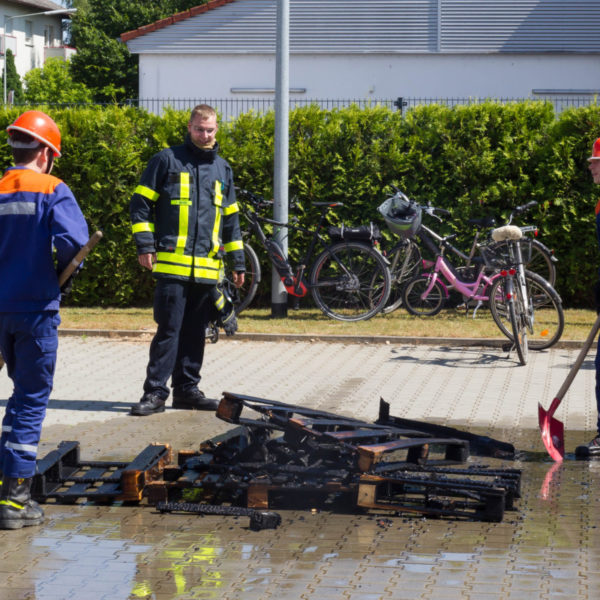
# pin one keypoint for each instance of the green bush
(472, 160)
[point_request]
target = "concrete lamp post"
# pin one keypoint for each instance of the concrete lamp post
(61, 11)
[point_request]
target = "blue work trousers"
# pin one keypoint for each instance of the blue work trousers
(182, 310)
(28, 342)
(597, 364)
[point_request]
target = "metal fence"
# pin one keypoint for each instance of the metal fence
(230, 108)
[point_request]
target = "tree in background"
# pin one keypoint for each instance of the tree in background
(103, 63)
(13, 81)
(53, 84)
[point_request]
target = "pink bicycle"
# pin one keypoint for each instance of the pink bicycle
(524, 305)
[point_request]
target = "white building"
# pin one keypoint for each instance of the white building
(31, 36)
(374, 49)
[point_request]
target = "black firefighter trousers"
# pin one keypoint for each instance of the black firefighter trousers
(182, 310)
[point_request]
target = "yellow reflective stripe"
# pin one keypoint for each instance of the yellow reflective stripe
(218, 193)
(220, 302)
(231, 246)
(232, 208)
(13, 504)
(209, 263)
(139, 227)
(182, 259)
(171, 269)
(187, 261)
(209, 274)
(142, 190)
(183, 271)
(216, 240)
(184, 209)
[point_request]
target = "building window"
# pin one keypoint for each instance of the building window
(8, 25)
(49, 36)
(29, 33)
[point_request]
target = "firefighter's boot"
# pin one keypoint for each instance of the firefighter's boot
(17, 509)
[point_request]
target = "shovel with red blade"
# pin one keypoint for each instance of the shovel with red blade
(553, 431)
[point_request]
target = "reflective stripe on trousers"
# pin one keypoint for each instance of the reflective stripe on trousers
(28, 342)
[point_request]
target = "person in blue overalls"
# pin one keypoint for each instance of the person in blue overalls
(594, 166)
(41, 229)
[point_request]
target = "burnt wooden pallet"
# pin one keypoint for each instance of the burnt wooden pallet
(480, 445)
(370, 442)
(64, 477)
(431, 497)
(293, 455)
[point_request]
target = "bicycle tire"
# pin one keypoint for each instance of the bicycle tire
(548, 314)
(243, 296)
(405, 260)
(541, 262)
(418, 306)
(518, 318)
(355, 292)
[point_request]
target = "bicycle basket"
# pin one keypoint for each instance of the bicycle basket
(501, 255)
(402, 216)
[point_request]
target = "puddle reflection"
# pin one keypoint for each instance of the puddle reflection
(135, 553)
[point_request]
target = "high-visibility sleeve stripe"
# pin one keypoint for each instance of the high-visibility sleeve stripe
(148, 193)
(231, 246)
(231, 209)
(140, 227)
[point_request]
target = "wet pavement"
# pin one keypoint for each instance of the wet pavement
(548, 547)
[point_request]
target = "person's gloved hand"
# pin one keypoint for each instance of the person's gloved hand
(228, 320)
(597, 296)
(67, 286)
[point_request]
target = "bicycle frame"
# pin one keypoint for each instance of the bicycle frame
(293, 280)
(471, 290)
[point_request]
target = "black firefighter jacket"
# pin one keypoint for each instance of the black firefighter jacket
(185, 210)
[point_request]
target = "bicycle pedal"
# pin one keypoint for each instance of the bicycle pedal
(507, 347)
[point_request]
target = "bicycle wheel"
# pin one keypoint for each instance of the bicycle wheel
(242, 296)
(405, 259)
(350, 281)
(518, 319)
(413, 299)
(541, 262)
(548, 319)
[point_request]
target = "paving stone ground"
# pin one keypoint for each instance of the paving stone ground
(548, 547)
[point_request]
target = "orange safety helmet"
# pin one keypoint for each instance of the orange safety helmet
(38, 125)
(595, 151)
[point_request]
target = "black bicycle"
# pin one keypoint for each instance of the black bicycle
(406, 260)
(349, 279)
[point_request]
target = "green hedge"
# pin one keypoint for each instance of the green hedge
(472, 160)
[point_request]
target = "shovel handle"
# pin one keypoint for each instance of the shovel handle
(78, 258)
(577, 364)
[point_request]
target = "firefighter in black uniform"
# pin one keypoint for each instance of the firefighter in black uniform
(184, 216)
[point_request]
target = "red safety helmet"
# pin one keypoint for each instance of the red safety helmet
(38, 125)
(595, 151)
